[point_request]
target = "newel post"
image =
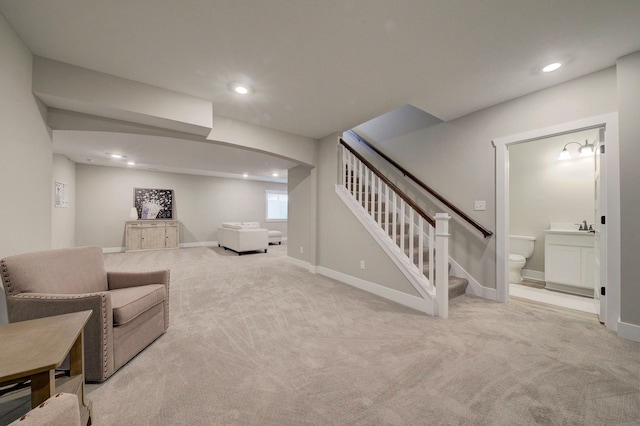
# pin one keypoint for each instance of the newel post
(442, 264)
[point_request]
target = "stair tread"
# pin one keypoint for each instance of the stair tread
(457, 286)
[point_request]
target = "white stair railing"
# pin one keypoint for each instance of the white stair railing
(416, 236)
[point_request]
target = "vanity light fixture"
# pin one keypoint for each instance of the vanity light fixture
(585, 150)
(552, 67)
(565, 155)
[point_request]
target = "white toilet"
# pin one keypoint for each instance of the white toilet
(520, 249)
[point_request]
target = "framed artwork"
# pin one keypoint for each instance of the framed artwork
(61, 195)
(153, 203)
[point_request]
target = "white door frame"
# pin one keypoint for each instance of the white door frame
(611, 157)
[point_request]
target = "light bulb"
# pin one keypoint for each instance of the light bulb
(552, 67)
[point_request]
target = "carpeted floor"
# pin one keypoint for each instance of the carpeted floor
(255, 340)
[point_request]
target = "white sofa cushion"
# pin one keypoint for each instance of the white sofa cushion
(232, 225)
(250, 225)
(241, 225)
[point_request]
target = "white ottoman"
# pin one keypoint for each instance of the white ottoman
(275, 237)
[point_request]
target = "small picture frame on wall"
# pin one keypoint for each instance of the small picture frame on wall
(61, 195)
(153, 203)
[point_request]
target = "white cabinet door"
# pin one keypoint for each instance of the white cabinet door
(563, 264)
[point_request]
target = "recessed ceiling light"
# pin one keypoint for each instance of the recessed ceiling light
(116, 156)
(245, 175)
(131, 163)
(275, 175)
(552, 67)
(241, 88)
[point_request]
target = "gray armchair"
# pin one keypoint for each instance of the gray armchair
(130, 309)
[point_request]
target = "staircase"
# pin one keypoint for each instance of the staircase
(457, 285)
(416, 242)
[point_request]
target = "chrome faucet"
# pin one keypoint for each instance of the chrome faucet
(583, 226)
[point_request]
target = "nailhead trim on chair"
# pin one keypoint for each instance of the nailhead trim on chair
(104, 335)
(7, 279)
(166, 310)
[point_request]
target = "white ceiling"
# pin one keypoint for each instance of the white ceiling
(321, 66)
(168, 155)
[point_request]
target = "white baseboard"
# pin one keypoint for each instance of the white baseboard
(405, 299)
(302, 263)
(199, 244)
(489, 293)
(532, 275)
(183, 245)
(113, 249)
(629, 331)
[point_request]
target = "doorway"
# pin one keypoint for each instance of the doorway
(549, 192)
(610, 255)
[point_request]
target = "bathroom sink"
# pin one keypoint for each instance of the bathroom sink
(567, 232)
(565, 229)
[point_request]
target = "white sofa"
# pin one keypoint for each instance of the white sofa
(243, 237)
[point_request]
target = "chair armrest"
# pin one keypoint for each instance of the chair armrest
(117, 280)
(98, 333)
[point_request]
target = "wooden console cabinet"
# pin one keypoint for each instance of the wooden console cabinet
(151, 234)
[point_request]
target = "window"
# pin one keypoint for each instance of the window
(277, 205)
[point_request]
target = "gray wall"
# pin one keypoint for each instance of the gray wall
(629, 125)
(543, 189)
(104, 197)
(26, 156)
(301, 224)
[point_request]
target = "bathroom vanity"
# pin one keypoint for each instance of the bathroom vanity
(570, 261)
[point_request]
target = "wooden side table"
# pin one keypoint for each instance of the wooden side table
(34, 349)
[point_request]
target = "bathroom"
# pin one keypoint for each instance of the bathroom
(548, 192)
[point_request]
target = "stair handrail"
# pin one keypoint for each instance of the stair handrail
(391, 185)
(485, 232)
(359, 182)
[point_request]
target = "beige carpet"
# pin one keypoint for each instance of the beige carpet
(255, 340)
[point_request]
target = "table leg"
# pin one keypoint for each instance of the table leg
(43, 386)
(76, 356)
(76, 367)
